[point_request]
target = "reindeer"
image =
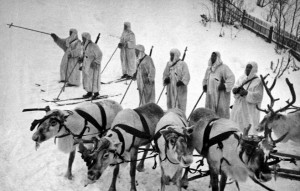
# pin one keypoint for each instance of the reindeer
(286, 127)
(228, 152)
(130, 130)
(173, 147)
(90, 118)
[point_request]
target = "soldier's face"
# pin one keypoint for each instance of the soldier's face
(83, 40)
(125, 27)
(70, 33)
(213, 57)
(248, 69)
(172, 56)
(137, 53)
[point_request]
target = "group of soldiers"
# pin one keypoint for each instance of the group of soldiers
(85, 56)
(218, 83)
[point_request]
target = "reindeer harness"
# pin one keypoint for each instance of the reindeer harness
(158, 135)
(208, 142)
(131, 130)
(87, 117)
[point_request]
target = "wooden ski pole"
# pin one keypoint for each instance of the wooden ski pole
(195, 105)
(12, 25)
(109, 60)
(126, 91)
(63, 88)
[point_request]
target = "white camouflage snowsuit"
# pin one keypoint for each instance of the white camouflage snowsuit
(128, 58)
(218, 101)
(92, 54)
(145, 78)
(244, 110)
(72, 48)
(177, 96)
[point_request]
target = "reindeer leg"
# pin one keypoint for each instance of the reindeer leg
(140, 166)
(184, 180)
(178, 179)
(114, 179)
(214, 181)
(71, 160)
(162, 180)
(223, 181)
(133, 167)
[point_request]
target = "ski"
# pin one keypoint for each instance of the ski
(60, 100)
(86, 100)
(116, 81)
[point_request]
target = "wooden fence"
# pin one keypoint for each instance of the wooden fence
(266, 30)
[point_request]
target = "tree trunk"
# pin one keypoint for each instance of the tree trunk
(271, 12)
(297, 31)
(294, 15)
(214, 10)
(279, 24)
(224, 11)
(283, 30)
(218, 11)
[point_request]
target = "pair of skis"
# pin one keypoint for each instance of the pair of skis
(78, 100)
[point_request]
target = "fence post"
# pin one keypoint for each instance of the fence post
(243, 17)
(269, 40)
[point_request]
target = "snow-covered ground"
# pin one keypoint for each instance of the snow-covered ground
(31, 59)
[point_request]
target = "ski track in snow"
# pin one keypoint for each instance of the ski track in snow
(29, 58)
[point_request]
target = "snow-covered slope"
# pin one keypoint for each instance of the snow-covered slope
(31, 59)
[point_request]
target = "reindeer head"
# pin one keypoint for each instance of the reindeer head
(254, 153)
(178, 145)
(273, 119)
(100, 157)
(48, 127)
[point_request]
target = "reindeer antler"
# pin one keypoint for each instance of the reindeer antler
(268, 90)
(290, 104)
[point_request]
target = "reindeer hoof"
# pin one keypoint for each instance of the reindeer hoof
(140, 168)
(69, 176)
(112, 189)
(184, 183)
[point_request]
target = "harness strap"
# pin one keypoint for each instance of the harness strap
(206, 137)
(103, 115)
(219, 138)
(133, 131)
(144, 122)
(157, 136)
(84, 129)
(90, 119)
(121, 138)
